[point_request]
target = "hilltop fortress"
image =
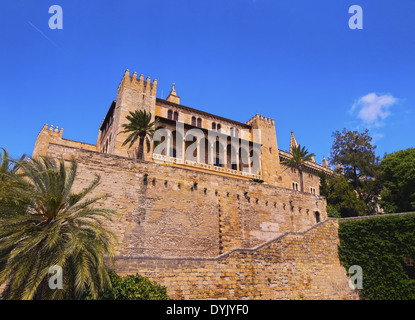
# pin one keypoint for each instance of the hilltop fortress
(193, 216)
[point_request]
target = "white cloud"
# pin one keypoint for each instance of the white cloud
(373, 109)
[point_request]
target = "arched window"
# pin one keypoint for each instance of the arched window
(199, 122)
(317, 215)
(213, 126)
(176, 116)
(170, 115)
(194, 121)
(218, 127)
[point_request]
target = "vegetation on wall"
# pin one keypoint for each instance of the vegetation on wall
(384, 247)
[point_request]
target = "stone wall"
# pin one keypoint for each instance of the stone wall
(206, 236)
(49, 134)
(170, 211)
(295, 265)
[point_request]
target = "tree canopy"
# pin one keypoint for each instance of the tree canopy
(354, 153)
(397, 173)
(139, 126)
(342, 198)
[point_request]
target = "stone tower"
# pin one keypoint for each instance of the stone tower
(270, 162)
(134, 93)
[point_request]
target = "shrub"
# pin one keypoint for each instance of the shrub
(132, 287)
(332, 212)
(380, 246)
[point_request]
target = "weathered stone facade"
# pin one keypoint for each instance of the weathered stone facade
(295, 265)
(202, 228)
(170, 211)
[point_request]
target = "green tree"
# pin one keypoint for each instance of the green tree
(324, 187)
(342, 198)
(332, 212)
(299, 156)
(355, 152)
(139, 127)
(44, 223)
(398, 178)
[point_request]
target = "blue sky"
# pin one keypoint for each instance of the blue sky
(295, 61)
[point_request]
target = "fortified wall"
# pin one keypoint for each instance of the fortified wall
(295, 265)
(171, 211)
(206, 236)
(198, 222)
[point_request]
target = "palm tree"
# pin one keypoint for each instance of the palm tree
(9, 176)
(43, 223)
(140, 127)
(299, 156)
(7, 169)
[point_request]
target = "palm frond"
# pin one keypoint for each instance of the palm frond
(43, 223)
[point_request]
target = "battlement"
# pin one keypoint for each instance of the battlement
(53, 129)
(259, 117)
(138, 83)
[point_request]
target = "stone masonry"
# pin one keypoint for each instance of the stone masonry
(295, 265)
(204, 236)
(206, 228)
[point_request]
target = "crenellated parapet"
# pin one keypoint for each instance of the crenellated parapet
(51, 129)
(48, 134)
(138, 83)
(259, 117)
